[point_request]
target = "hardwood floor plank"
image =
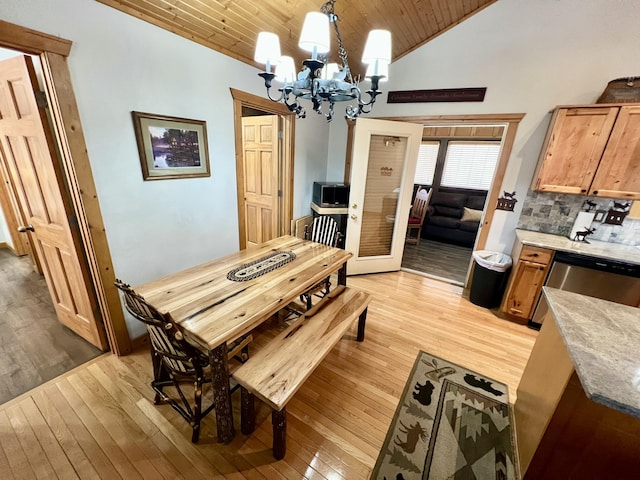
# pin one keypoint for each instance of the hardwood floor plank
(52, 449)
(189, 450)
(67, 438)
(31, 447)
(52, 394)
(5, 468)
(161, 458)
(126, 396)
(124, 432)
(109, 446)
(19, 462)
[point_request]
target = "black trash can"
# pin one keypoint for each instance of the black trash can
(489, 278)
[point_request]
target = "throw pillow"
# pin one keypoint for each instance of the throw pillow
(471, 215)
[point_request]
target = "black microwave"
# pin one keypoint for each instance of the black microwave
(327, 194)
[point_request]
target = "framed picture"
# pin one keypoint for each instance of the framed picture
(171, 147)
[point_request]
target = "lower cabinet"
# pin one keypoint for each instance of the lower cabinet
(527, 279)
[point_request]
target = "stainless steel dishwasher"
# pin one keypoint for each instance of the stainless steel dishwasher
(592, 276)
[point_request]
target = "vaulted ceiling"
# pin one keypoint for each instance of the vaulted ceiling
(231, 26)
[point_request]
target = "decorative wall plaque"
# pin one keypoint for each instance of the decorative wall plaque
(440, 95)
(507, 201)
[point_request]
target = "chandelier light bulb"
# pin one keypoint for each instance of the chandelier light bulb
(315, 35)
(286, 70)
(267, 49)
(378, 47)
(378, 68)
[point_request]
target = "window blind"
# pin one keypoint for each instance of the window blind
(427, 158)
(470, 164)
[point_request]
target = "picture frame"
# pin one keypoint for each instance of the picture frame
(171, 147)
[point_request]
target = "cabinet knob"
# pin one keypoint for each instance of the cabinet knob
(595, 192)
(584, 190)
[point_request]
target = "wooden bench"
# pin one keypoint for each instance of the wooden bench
(275, 373)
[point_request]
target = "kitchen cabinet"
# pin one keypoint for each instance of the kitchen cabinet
(592, 150)
(527, 279)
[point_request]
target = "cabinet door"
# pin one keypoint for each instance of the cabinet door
(525, 289)
(575, 142)
(618, 174)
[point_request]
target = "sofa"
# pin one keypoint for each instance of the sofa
(454, 217)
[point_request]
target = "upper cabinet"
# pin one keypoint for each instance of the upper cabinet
(592, 150)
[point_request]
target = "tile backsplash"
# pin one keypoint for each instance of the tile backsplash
(555, 213)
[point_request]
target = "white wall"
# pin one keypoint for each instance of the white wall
(531, 56)
(5, 237)
(119, 64)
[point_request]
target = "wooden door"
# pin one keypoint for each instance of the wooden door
(382, 171)
(575, 142)
(28, 150)
(261, 166)
(618, 174)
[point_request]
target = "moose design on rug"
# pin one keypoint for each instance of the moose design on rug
(450, 423)
(414, 433)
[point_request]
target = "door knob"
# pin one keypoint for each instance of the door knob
(354, 217)
(23, 229)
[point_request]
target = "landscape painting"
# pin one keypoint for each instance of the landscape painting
(171, 147)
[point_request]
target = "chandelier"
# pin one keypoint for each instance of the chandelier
(319, 81)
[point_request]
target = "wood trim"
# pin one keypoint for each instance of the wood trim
(348, 157)
(244, 99)
(77, 170)
(7, 205)
(511, 122)
(31, 41)
(492, 200)
(140, 342)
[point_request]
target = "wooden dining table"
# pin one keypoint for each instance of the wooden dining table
(218, 301)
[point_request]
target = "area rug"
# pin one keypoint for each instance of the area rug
(451, 423)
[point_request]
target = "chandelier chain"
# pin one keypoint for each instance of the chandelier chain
(329, 10)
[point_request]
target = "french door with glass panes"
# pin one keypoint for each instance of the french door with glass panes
(382, 170)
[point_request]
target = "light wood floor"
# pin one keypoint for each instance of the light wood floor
(98, 421)
(34, 346)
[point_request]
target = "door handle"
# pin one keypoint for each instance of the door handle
(23, 229)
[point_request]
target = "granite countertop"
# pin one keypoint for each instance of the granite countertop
(603, 341)
(608, 250)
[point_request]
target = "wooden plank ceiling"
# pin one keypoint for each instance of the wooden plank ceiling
(231, 26)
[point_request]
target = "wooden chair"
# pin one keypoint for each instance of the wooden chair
(323, 229)
(176, 362)
(417, 214)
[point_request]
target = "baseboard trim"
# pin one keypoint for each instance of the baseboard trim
(140, 342)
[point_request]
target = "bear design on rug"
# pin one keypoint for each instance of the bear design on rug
(481, 383)
(423, 393)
